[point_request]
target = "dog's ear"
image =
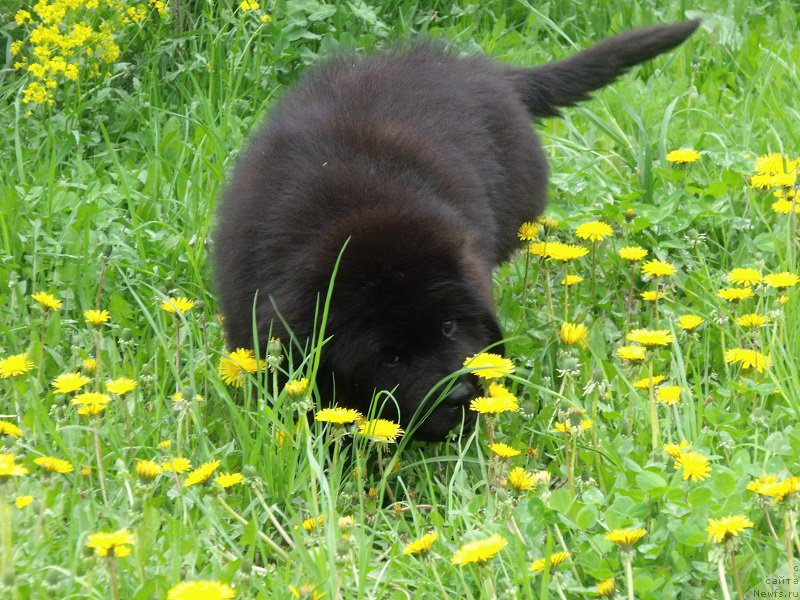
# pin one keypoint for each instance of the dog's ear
(566, 82)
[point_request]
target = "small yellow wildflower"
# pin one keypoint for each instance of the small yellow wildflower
(296, 387)
(746, 277)
(521, 480)
(571, 280)
(91, 403)
(735, 294)
(180, 305)
(9, 468)
(234, 368)
(14, 365)
(689, 322)
(631, 352)
(313, 522)
(120, 386)
(594, 231)
(201, 590)
(528, 231)
(606, 588)
(177, 465)
(675, 450)
(648, 382)
(248, 5)
(23, 501)
(658, 268)
(538, 566)
(565, 252)
(147, 469)
(781, 280)
(54, 465)
(748, 359)
(115, 543)
(683, 156)
(625, 538)
(420, 545)
(652, 296)
(479, 551)
(201, 474)
(69, 382)
(669, 394)
(650, 337)
(10, 429)
(722, 529)
(48, 301)
(338, 415)
(489, 366)
(380, 430)
(227, 480)
(574, 333)
(751, 320)
(695, 466)
(97, 317)
(503, 450)
(632, 253)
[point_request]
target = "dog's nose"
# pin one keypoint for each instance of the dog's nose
(461, 394)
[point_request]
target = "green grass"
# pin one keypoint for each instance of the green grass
(107, 201)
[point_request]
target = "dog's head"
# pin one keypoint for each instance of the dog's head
(410, 302)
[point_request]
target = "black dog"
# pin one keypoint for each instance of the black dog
(427, 163)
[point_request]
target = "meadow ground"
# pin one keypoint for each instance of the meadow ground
(657, 451)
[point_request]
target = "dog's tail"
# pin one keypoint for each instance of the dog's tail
(566, 82)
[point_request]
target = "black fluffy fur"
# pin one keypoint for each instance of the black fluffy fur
(428, 164)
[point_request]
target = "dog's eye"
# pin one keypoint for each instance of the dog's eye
(449, 328)
(391, 360)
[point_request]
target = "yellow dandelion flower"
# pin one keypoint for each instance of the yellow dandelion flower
(748, 359)
(201, 474)
(227, 480)
(549, 223)
(772, 163)
(625, 538)
(538, 248)
(9, 429)
(751, 320)
(648, 382)
(777, 489)
(91, 403)
(489, 366)
(689, 322)
(538, 566)
(675, 450)
(234, 368)
(479, 551)
(164, 444)
(632, 253)
(69, 382)
(695, 466)
(565, 427)
(746, 277)
(565, 252)
(296, 387)
(521, 480)
(631, 353)
(606, 588)
(495, 404)
(650, 337)
(735, 294)
(313, 522)
(9, 468)
(571, 280)
(658, 268)
(338, 415)
(594, 231)
(14, 365)
(248, 5)
(23, 501)
(784, 206)
(503, 450)
(147, 469)
(120, 386)
(683, 156)
(177, 465)
(652, 296)
(201, 590)
(89, 365)
(48, 301)
(762, 483)
(115, 543)
(54, 465)
(420, 545)
(380, 430)
(722, 529)
(781, 280)
(97, 317)
(669, 394)
(574, 333)
(180, 305)
(528, 231)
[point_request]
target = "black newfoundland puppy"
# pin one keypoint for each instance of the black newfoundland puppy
(425, 164)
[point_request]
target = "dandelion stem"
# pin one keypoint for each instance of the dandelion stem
(594, 265)
(769, 524)
(653, 411)
(6, 532)
(557, 581)
(525, 281)
(722, 580)
(628, 559)
(98, 453)
(261, 535)
(736, 579)
(789, 534)
(548, 294)
(629, 311)
(111, 564)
